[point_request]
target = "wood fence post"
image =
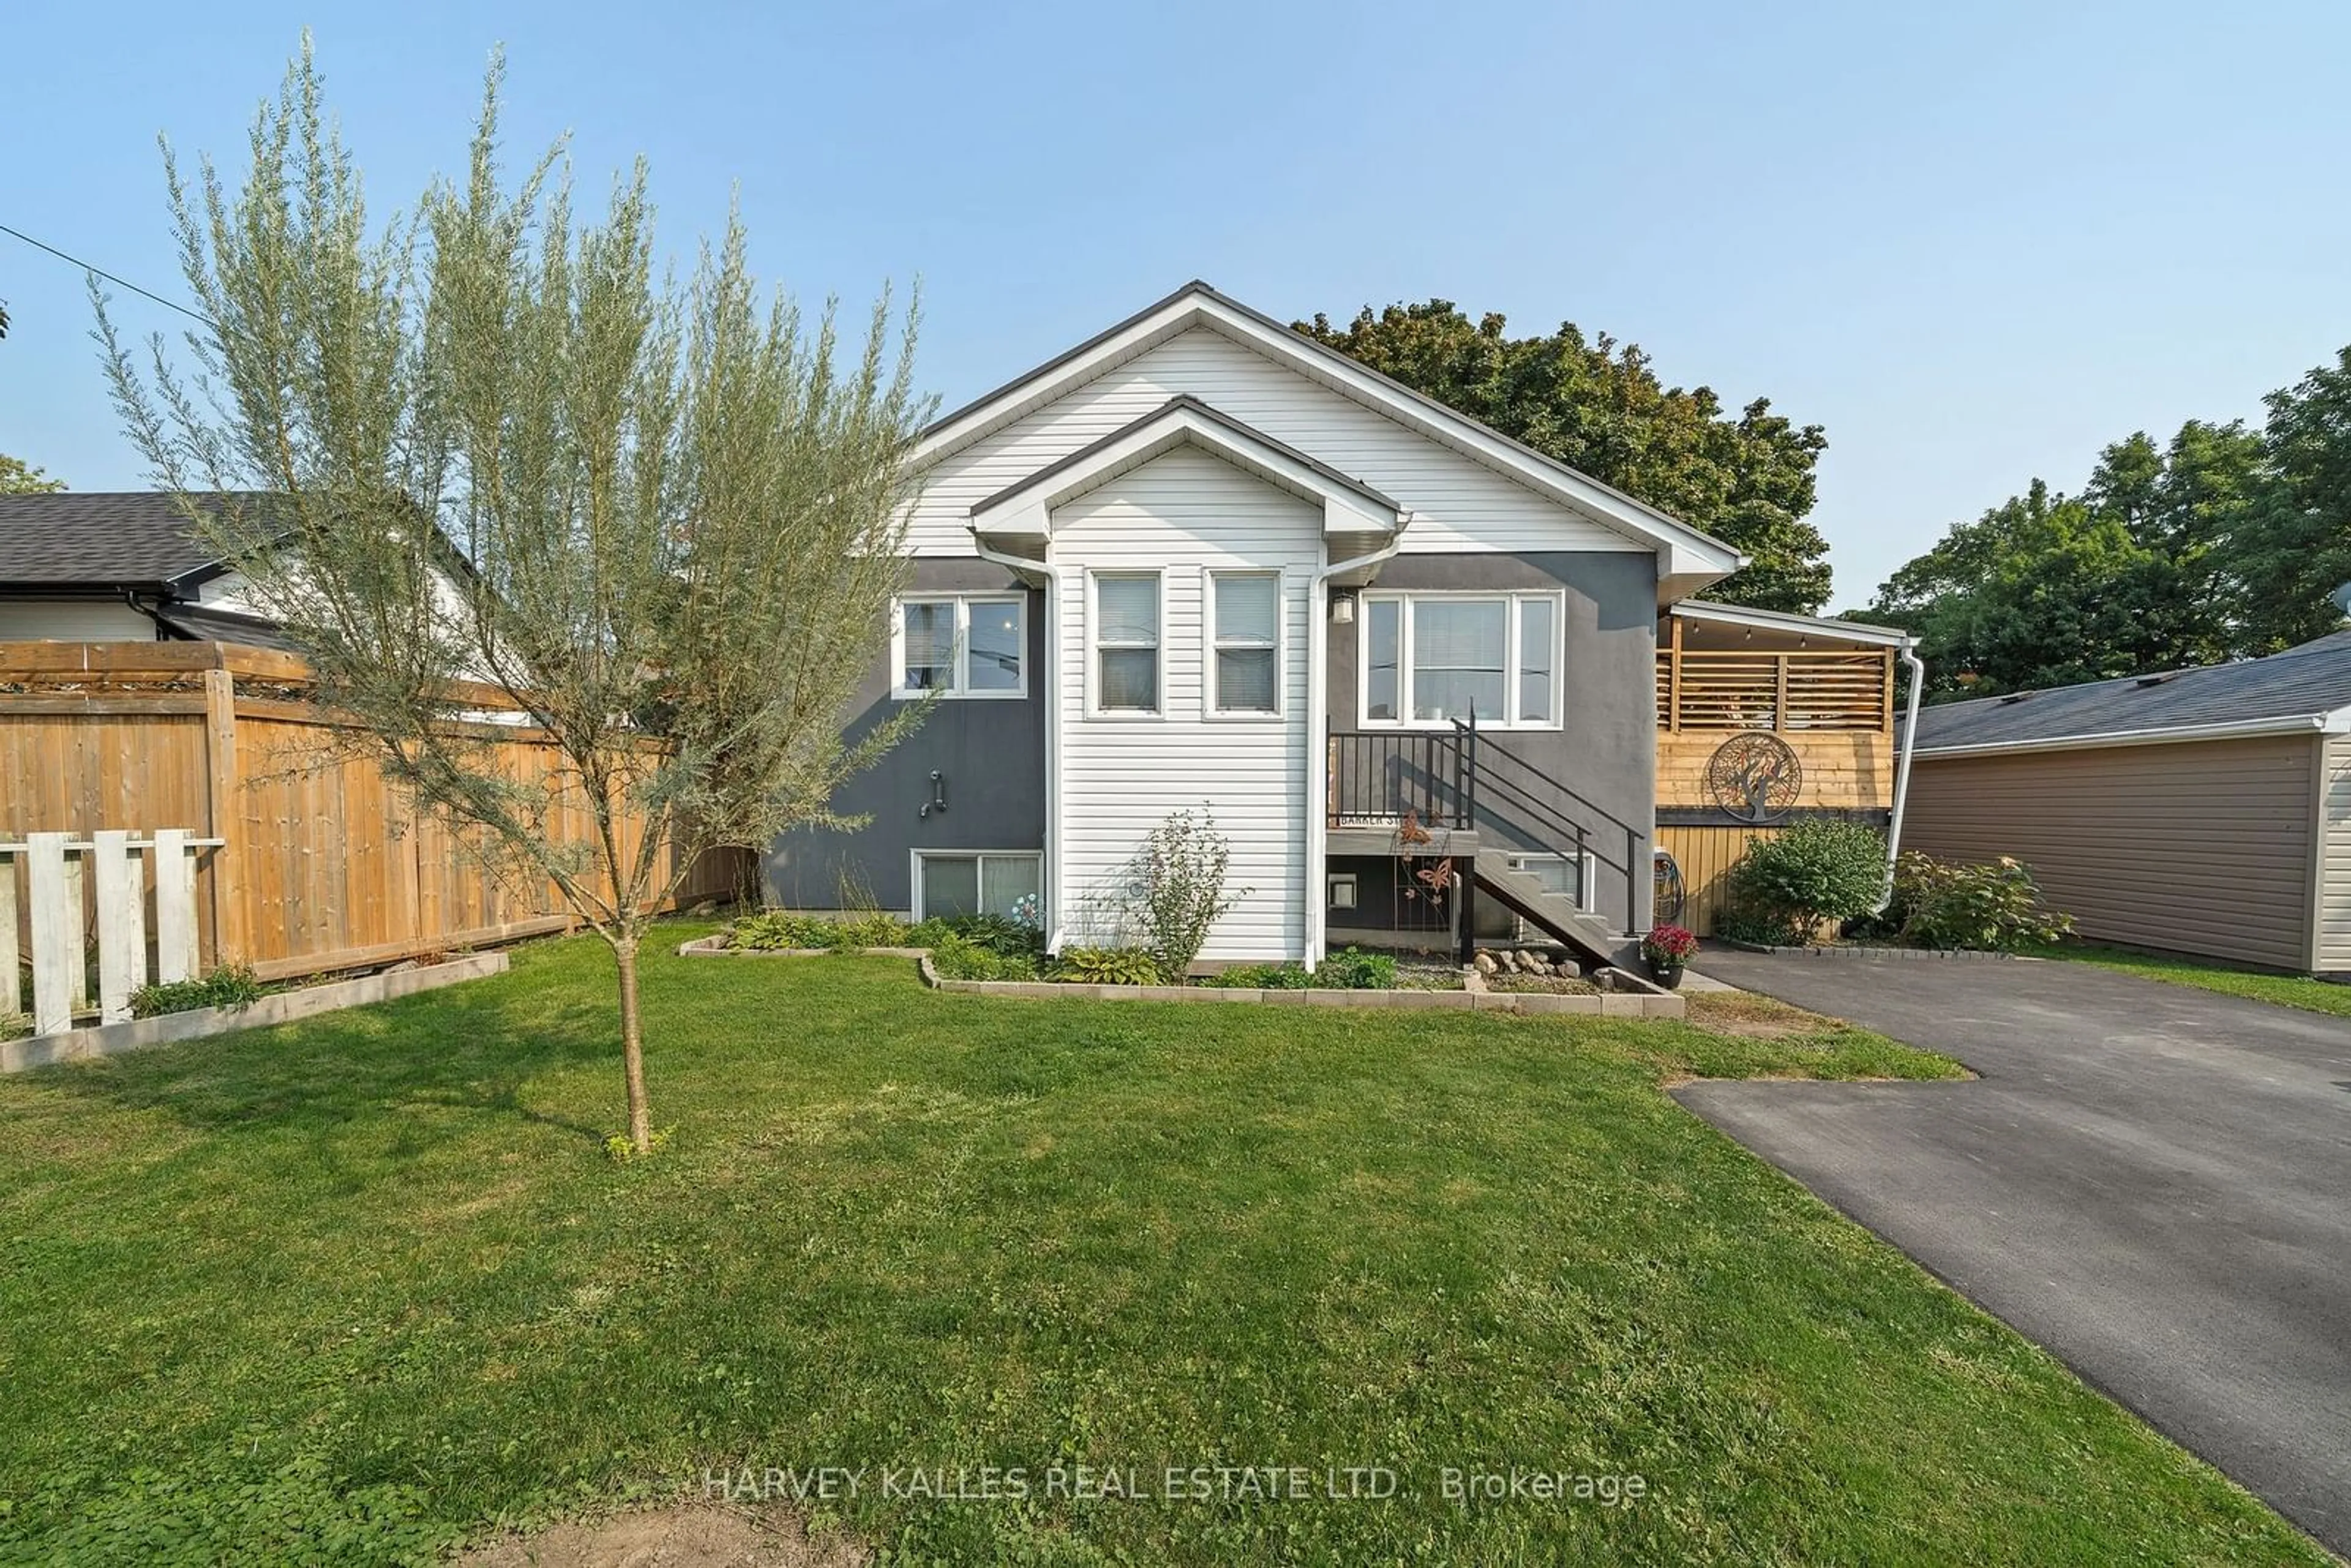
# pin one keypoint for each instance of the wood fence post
(230, 942)
(57, 933)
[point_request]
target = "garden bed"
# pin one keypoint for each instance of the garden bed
(278, 1007)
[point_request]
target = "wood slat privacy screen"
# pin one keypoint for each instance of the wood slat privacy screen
(1790, 691)
(320, 867)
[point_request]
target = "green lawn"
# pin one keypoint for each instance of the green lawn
(2285, 990)
(368, 1284)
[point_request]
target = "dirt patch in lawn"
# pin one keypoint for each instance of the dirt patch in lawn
(702, 1535)
(1756, 1017)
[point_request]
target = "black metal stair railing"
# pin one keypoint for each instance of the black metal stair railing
(1378, 776)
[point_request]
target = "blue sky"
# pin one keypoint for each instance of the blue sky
(1974, 241)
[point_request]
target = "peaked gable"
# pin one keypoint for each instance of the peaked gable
(1687, 557)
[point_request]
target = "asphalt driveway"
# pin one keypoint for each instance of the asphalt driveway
(2150, 1180)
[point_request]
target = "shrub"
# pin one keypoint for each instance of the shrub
(1178, 890)
(1992, 908)
(1264, 978)
(1351, 969)
(1818, 869)
(1110, 966)
(1004, 937)
(777, 930)
(958, 957)
(232, 986)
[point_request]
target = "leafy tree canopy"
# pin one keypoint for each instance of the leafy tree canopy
(18, 477)
(2221, 544)
(1598, 407)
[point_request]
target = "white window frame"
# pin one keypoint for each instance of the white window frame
(1213, 706)
(1094, 645)
(1584, 876)
(961, 691)
(1513, 671)
(916, 859)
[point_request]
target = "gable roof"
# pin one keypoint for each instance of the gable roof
(1692, 557)
(1349, 503)
(98, 540)
(2304, 689)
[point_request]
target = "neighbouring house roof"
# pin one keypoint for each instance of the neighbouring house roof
(2304, 689)
(200, 623)
(1782, 621)
(100, 539)
(1689, 557)
(1022, 507)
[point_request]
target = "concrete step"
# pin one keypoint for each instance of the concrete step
(1588, 935)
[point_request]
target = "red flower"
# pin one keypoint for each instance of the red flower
(1667, 944)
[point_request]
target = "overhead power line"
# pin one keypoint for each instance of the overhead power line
(101, 272)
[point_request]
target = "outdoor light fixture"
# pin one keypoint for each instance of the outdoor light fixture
(1342, 609)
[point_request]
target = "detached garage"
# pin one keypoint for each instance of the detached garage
(2206, 812)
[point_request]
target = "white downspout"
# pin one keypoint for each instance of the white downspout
(1911, 661)
(1317, 742)
(1052, 694)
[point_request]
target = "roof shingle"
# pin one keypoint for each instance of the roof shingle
(2303, 681)
(98, 539)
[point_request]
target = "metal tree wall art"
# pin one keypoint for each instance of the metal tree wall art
(1754, 776)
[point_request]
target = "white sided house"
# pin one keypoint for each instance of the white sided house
(1204, 562)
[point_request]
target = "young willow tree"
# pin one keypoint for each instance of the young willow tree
(485, 444)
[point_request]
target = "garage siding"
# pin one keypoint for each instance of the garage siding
(2200, 848)
(2335, 860)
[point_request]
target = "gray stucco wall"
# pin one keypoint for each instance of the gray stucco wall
(1605, 749)
(992, 753)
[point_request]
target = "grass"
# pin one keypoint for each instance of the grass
(352, 1288)
(2284, 990)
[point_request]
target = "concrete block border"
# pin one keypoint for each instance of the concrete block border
(1630, 995)
(285, 1007)
(1471, 998)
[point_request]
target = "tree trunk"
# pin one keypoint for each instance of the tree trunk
(633, 1046)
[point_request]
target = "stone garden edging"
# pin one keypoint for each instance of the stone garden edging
(1638, 998)
(281, 1007)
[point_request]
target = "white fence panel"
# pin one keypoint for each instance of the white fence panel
(62, 877)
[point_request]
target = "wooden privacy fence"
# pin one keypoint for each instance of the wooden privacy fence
(312, 863)
(52, 890)
(1786, 690)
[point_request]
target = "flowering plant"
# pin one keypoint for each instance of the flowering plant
(1668, 946)
(1026, 910)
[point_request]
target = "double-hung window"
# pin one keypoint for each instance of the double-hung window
(1431, 658)
(960, 645)
(1245, 666)
(1126, 641)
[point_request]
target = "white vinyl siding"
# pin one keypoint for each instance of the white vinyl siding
(2334, 891)
(72, 621)
(1185, 514)
(1461, 506)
